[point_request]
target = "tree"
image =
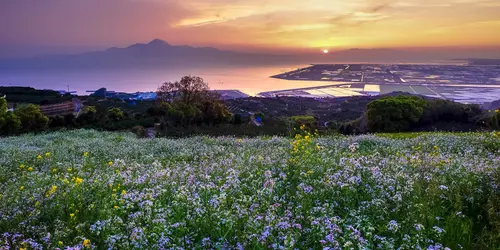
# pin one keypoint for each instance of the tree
(3, 106)
(32, 119)
(189, 90)
(192, 101)
(87, 116)
(9, 123)
(394, 114)
(56, 121)
(216, 112)
(115, 114)
(495, 120)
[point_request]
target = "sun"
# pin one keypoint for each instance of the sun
(325, 51)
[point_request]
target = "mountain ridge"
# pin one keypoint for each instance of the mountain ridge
(160, 54)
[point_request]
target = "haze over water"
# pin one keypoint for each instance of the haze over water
(250, 80)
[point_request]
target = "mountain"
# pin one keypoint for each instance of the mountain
(155, 54)
(160, 54)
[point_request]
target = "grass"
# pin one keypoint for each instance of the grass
(412, 135)
(101, 190)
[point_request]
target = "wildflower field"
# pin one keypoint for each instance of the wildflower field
(96, 190)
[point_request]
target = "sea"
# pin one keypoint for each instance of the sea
(249, 80)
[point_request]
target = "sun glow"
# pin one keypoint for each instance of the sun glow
(325, 51)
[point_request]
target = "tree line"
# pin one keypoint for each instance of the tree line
(405, 113)
(188, 107)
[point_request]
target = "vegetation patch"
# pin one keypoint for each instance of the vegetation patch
(101, 190)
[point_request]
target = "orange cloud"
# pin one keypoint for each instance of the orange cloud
(296, 24)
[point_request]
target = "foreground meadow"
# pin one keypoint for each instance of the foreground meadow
(95, 190)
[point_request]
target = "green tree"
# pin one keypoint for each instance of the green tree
(216, 112)
(495, 120)
(32, 119)
(308, 121)
(88, 115)
(56, 121)
(115, 114)
(192, 101)
(394, 114)
(9, 124)
(3, 106)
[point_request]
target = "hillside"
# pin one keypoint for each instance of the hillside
(89, 189)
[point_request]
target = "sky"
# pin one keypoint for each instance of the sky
(249, 25)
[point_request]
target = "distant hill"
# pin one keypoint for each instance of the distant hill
(160, 54)
(156, 53)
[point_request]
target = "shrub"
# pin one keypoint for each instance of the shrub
(139, 131)
(9, 124)
(32, 118)
(115, 114)
(56, 122)
(394, 114)
(309, 122)
(350, 128)
(237, 119)
(495, 120)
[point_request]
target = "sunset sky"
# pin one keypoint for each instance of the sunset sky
(252, 25)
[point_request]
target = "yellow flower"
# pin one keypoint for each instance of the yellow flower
(22, 248)
(116, 207)
(71, 215)
(124, 192)
(69, 169)
(85, 154)
(47, 154)
(51, 191)
(39, 157)
(86, 243)
(54, 170)
(21, 188)
(497, 111)
(60, 243)
(110, 163)
(240, 140)
(30, 169)
(78, 180)
(22, 166)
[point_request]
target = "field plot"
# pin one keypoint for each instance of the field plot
(85, 189)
